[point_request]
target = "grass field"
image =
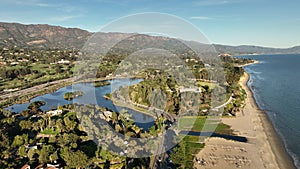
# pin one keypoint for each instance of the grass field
(49, 131)
(210, 85)
(202, 123)
(46, 73)
(193, 144)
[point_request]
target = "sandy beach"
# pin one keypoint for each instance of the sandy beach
(255, 62)
(263, 149)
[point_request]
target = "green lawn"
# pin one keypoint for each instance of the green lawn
(210, 85)
(193, 144)
(70, 114)
(46, 72)
(201, 123)
(50, 131)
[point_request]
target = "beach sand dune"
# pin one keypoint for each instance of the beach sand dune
(263, 150)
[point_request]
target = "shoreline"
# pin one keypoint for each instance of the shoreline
(27, 94)
(247, 64)
(116, 103)
(283, 159)
(263, 150)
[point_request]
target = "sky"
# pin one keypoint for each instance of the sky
(269, 23)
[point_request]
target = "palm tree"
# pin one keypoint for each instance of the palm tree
(47, 119)
(41, 124)
(114, 117)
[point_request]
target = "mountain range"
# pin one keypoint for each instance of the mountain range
(47, 36)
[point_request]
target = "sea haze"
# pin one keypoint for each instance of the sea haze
(275, 82)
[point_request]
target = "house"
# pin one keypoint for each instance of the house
(107, 114)
(31, 147)
(207, 65)
(23, 60)
(3, 63)
(102, 116)
(194, 89)
(52, 165)
(41, 166)
(54, 112)
(11, 90)
(26, 166)
(14, 63)
(62, 61)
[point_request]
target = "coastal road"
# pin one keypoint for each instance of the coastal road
(37, 88)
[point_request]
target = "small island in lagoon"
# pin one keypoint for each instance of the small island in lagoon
(101, 83)
(71, 95)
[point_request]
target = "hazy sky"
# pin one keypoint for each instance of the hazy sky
(274, 23)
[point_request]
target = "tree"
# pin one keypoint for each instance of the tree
(35, 106)
(25, 124)
(63, 140)
(73, 138)
(47, 119)
(40, 124)
(6, 113)
(53, 156)
(153, 131)
(45, 152)
(74, 159)
(20, 140)
(59, 125)
(58, 69)
(114, 117)
(4, 142)
(22, 151)
(25, 113)
(31, 154)
(70, 123)
(179, 154)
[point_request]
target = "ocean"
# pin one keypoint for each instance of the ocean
(275, 82)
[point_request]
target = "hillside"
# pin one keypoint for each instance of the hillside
(47, 36)
(41, 36)
(246, 49)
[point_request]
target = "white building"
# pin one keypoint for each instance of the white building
(107, 114)
(64, 62)
(54, 112)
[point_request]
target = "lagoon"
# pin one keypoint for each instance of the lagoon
(92, 95)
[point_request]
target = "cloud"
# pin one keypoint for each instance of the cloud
(200, 17)
(64, 18)
(70, 9)
(45, 5)
(215, 2)
(64, 7)
(38, 3)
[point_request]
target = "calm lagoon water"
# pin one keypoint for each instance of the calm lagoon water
(56, 98)
(275, 82)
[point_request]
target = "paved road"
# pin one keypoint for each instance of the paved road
(224, 104)
(36, 88)
(6, 95)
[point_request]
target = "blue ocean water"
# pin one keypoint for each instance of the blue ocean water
(275, 82)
